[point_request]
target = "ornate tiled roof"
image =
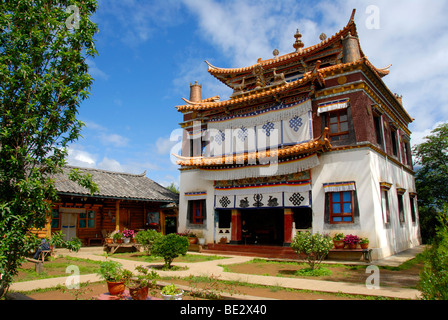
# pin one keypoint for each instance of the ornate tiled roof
(319, 144)
(309, 77)
(252, 95)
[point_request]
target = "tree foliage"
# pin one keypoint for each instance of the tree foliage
(314, 246)
(43, 79)
(146, 238)
(169, 247)
(431, 179)
(434, 277)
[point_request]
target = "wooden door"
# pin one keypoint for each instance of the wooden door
(69, 225)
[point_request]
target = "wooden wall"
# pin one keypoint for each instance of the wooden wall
(132, 214)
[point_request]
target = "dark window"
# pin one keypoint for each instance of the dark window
(407, 154)
(393, 136)
(400, 208)
(413, 214)
(338, 124)
(385, 206)
(378, 129)
(87, 219)
(224, 218)
(341, 207)
(196, 211)
(55, 219)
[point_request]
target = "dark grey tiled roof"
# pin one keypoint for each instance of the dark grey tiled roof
(115, 185)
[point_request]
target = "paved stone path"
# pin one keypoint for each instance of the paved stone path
(212, 268)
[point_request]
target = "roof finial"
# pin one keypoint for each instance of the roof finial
(298, 45)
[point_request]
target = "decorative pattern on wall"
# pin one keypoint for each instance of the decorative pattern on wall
(275, 195)
(270, 128)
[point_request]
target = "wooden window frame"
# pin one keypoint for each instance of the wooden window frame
(385, 210)
(193, 206)
(342, 215)
(401, 213)
(87, 219)
(338, 114)
(53, 219)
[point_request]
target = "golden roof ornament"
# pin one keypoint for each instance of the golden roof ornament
(298, 45)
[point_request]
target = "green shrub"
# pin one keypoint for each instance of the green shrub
(314, 246)
(434, 277)
(146, 238)
(170, 247)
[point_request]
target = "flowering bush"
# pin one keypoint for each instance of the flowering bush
(351, 239)
(315, 246)
(128, 233)
(338, 237)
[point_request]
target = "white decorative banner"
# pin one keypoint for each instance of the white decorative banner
(224, 202)
(201, 195)
(253, 171)
(260, 130)
(297, 129)
(269, 135)
(332, 105)
(256, 118)
(339, 186)
(297, 199)
(243, 139)
(264, 200)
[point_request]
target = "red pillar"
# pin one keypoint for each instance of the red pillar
(288, 220)
(236, 226)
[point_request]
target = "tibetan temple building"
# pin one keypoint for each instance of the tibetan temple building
(312, 139)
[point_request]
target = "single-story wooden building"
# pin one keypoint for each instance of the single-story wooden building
(124, 201)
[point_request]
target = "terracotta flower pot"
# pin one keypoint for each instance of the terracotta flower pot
(109, 240)
(193, 240)
(364, 245)
(139, 293)
(115, 288)
(339, 244)
(352, 245)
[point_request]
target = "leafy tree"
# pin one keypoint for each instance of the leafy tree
(431, 179)
(173, 188)
(43, 80)
(170, 247)
(314, 246)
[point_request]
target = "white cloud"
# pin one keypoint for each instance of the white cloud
(104, 136)
(96, 72)
(80, 158)
(113, 139)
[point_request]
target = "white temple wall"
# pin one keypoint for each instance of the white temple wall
(191, 182)
(367, 169)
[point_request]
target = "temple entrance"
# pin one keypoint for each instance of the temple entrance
(262, 226)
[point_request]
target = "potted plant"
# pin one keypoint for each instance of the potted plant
(351, 240)
(128, 235)
(109, 238)
(118, 237)
(139, 286)
(171, 292)
(115, 276)
(338, 241)
(364, 243)
(200, 236)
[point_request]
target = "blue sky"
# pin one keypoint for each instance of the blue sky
(150, 52)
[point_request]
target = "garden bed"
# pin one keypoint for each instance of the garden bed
(406, 276)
